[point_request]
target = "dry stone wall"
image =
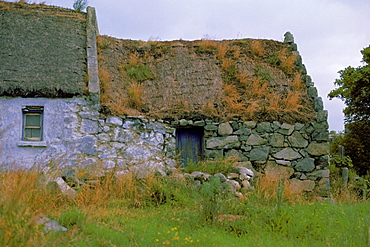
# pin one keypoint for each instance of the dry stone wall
(279, 150)
(75, 134)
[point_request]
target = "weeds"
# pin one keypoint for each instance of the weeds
(262, 73)
(116, 210)
(103, 42)
(257, 48)
(211, 198)
(135, 93)
(223, 166)
(287, 61)
(206, 46)
(138, 73)
(274, 60)
(222, 48)
(22, 199)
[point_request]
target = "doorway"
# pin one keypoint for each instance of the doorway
(189, 145)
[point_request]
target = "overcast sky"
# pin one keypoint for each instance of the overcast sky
(329, 33)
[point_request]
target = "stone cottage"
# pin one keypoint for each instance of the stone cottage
(71, 97)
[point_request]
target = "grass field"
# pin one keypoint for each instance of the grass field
(158, 211)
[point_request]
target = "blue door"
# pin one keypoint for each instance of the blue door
(189, 145)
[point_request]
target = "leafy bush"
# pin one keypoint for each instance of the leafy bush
(338, 161)
(80, 5)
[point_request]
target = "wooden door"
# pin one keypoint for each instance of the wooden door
(189, 145)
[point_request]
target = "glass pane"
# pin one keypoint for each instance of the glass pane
(33, 120)
(27, 133)
(35, 133)
(32, 134)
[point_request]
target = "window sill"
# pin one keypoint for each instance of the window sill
(31, 143)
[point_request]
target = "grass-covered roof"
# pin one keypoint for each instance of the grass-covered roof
(248, 79)
(43, 51)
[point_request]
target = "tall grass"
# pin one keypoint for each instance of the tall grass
(22, 202)
(128, 210)
(257, 48)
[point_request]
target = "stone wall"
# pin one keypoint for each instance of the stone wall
(74, 134)
(279, 150)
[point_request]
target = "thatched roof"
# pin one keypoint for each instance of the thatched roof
(43, 51)
(248, 79)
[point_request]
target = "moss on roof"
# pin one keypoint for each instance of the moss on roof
(247, 78)
(43, 51)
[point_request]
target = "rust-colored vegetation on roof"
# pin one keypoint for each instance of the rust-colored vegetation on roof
(246, 78)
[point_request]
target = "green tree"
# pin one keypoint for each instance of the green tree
(354, 89)
(80, 5)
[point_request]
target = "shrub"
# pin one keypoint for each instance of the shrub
(80, 5)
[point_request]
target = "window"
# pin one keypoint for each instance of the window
(189, 145)
(32, 123)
